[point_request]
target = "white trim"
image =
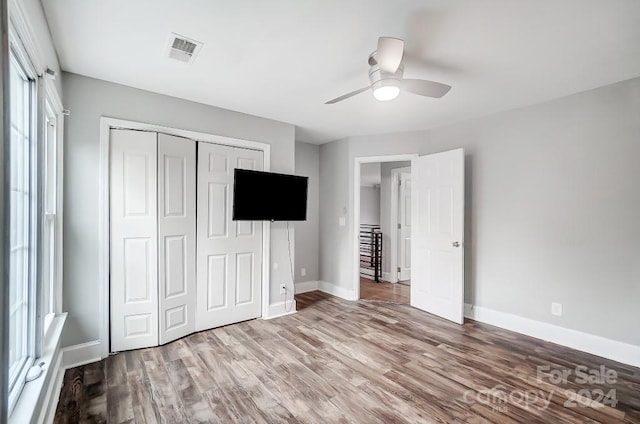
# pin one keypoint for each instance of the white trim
(355, 230)
(388, 276)
(193, 135)
(53, 98)
(35, 400)
(81, 354)
(21, 25)
(341, 292)
(48, 411)
(106, 124)
(393, 230)
(51, 94)
(596, 345)
(393, 224)
(103, 236)
(306, 286)
(280, 309)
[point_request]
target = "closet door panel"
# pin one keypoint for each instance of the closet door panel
(177, 236)
(134, 265)
(229, 253)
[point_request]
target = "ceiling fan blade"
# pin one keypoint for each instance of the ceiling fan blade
(389, 53)
(346, 96)
(425, 88)
(416, 61)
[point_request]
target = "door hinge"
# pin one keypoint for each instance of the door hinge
(399, 226)
(399, 269)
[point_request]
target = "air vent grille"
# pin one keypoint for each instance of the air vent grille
(183, 45)
(182, 48)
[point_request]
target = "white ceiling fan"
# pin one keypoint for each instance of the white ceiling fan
(385, 73)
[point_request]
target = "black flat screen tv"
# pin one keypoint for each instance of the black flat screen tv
(267, 196)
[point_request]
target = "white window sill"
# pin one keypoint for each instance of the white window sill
(32, 399)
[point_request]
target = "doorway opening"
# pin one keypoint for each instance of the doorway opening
(382, 226)
(436, 240)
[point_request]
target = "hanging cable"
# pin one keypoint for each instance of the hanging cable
(288, 309)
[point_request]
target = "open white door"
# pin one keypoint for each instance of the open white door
(437, 216)
(229, 252)
(404, 230)
(134, 232)
(176, 236)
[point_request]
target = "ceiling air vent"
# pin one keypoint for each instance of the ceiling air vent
(182, 48)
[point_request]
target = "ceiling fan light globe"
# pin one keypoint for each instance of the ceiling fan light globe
(386, 93)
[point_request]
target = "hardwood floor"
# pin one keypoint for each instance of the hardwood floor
(338, 362)
(384, 292)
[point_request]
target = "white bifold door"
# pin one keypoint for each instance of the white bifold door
(172, 273)
(176, 237)
(437, 216)
(153, 238)
(134, 240)
(229, 252)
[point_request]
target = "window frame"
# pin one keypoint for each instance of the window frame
(53, 114)
(44, 345)
(18, 53)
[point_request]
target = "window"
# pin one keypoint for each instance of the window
(33, 200)
(50, 230)
(23, 221)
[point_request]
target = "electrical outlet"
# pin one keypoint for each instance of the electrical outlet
(303, 272)
(556, 309)
(283, 288)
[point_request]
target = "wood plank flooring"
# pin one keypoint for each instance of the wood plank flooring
(384, 291)
(347, 362)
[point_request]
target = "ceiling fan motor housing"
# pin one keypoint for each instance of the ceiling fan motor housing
(380, 78)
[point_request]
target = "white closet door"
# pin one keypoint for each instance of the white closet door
(134, 226)
(176, 236)
(229, 252)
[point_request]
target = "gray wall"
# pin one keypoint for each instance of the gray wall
(308, 232)
(385, 212)
(552, 207)
(370, 205)
(335, 252)
(89, 99)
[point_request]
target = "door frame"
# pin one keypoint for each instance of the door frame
(356, 209)
(393, 218)
(106, 125)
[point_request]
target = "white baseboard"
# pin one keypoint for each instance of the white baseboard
(281, 309)
(338, 291)
(81, 354)
(388, 276)
(326, 287)
(595, 345)
(306, 286)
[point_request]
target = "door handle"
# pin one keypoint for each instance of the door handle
(456, 244)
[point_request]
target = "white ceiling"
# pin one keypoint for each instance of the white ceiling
(370, 174)
(282, 59)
